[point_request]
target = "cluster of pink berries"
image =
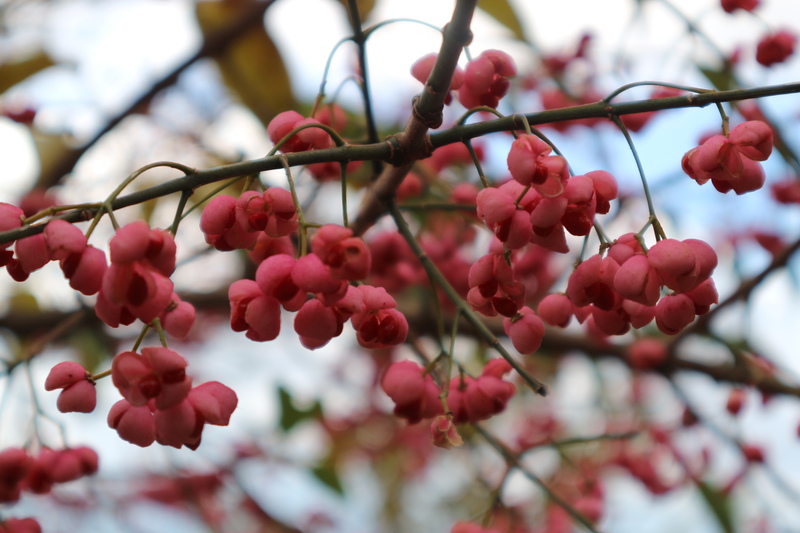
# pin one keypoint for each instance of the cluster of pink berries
(732, 162)
(237, 224)
(159, 402)
(135, 286)
(19, 471)
(624, 288)
(483, 82)
(416, 396)
(543, 200)
(311, 138)
(337, 258)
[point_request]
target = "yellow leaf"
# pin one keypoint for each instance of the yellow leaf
(17, 71)
(251, 66)
(503, 13)
(56, 157)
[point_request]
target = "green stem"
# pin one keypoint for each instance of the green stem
(436, 275)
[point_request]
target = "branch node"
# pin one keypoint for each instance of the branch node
(432, 119)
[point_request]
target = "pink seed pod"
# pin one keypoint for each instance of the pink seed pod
(78, 394)
(555, 309)
(280, 126)
(751, 179)
(214, 402)
(524, 159)
(736, 400)
(526, 330)
(178, 318)
(282, 212)
(63, 239)
(85, 270)
(316, 324)
(605, 189)
(647, 353)
(134, 424)
(625, 247)
(753, 453)
(592, 282)
(253, 311)
(494, 206)
(379, 325)
(775, 48)
(222, 229)
(20, 525)
(274, 278)
(157, 374)
(676, 264)
(704, 296)
(72, 464)
(486, 79)
(415, 395)
(612, 321)
(637, 280)
(422, 68)
(179, 425)
(753, 139)
(140, 289)
(486, 397)
(729, 6)
(14, 465)
(673, 313)
(639, 315)
(347, 257)
(32, 253)
(310, 274)
(11, 217)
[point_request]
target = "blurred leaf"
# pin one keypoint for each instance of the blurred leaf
(55, 155)
(291, 415)
(251, 66)
(93, 348)
(721, 79)
(23, 302)
(503, 13)
(327, 474)
(364, 7)
(13, 73)
(720, 505)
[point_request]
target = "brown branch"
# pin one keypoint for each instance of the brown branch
(413, 143)
(387, 151)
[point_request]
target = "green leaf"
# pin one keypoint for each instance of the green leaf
(502, 12)
(291, 415)
(327, 474)
(721, 79)
(17, 71)
(251, 66)
(719, 503)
